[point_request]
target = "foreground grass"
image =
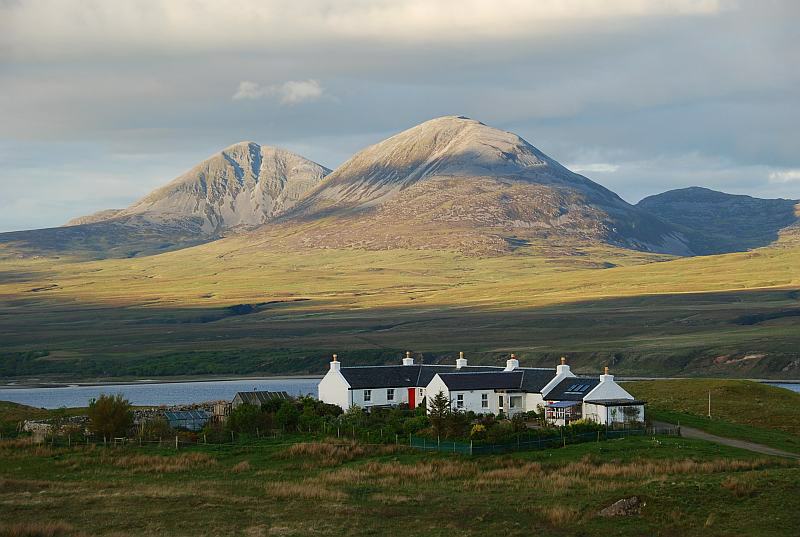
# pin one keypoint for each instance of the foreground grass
(270, 488)
(740, 409)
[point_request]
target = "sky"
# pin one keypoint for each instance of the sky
(101, 101)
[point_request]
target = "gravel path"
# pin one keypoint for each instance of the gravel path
(690, 432)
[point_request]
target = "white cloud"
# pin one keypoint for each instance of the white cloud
(289, 93)
(596, 167)
(56, 28)
(785, 176)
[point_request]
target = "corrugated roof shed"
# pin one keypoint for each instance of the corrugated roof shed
(258, 398)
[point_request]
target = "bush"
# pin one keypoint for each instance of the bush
(110, 416)
(287, 417)
(478, 432)
(249, 419)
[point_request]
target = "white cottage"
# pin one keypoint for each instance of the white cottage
(484, 390)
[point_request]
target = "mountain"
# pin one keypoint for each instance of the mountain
(716, 222)
(455, 183)
(242, 186)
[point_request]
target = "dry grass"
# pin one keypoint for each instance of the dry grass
(335, 452)
(164, 464)
(560, 515)
(37, 529)
(739, 488)
(309, 489)
(240, 467)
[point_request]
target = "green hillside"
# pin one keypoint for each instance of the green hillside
(248, 305)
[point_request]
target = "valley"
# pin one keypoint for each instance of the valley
(450, 236)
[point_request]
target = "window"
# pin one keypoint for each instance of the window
(460, 400)
(367, 395)
(484, 400)
(500, 402)
(420, 392)
(390, 394)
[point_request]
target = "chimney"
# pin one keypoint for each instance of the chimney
(335, 363)
(605, 377)
(408, 360)
(461, 362)
(512, 363)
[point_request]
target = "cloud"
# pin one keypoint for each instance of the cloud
(785, 176)
(60, 28)
(596, 167)
(289, 93)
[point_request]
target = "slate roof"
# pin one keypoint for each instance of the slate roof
(258, 398)
(572, 389)
(400, 376)
(420, 375)
(490, 380)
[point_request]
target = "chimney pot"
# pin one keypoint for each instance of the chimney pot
(335, 356)
(605, 370)
(563, 360)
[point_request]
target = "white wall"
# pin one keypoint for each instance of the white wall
(334, 389)
(473, 401)
(610, 415)
(379, 397)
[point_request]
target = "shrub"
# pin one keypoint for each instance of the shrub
(110, 416)
(287, 416)
(478, 432)
(248, 419)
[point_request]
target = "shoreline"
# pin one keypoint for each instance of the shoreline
(36, 383)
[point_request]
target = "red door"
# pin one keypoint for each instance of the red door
(412, 398)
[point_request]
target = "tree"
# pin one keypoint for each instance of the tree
(110, 416)
(247, 418)
(287, 416)
(438, 412)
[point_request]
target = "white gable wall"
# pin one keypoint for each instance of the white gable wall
(607, 389)
(562, 372)
(334, 389)
(433, 388)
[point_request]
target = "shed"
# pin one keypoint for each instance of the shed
(257, 398)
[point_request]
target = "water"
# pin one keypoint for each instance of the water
(793, 387)
(154, 394)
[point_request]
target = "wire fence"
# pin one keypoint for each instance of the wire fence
(473, 448)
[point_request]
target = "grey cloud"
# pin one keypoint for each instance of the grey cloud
(645, 96)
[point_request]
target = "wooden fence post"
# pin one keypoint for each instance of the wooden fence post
(176, 442)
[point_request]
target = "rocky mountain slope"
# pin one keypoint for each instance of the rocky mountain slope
(455, 183)
(716, 222)
(242, 186)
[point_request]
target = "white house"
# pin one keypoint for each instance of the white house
(484, 390)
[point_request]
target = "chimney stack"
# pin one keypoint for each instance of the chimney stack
(562, 369)
(408, 360)
(335, 363)
(512, 363)
(461, 362)
(605, 377)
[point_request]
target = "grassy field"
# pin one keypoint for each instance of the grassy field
(739, 409)
(238, 306)
(271, 488)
